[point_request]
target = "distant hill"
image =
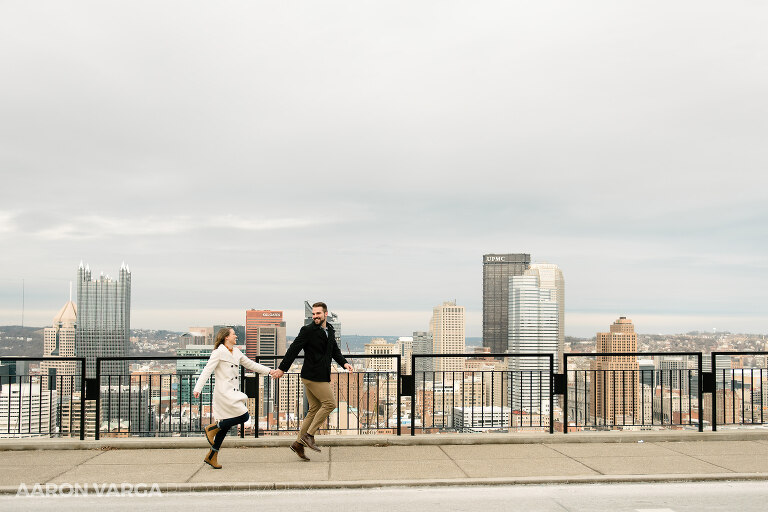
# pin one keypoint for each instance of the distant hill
(28, 342)
(356, 342)
(21, 341)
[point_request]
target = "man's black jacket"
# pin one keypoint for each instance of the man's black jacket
(318, 351)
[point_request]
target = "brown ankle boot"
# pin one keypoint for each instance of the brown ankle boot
(211, 459)
(309, 441)
(211, 431)
(298, 448)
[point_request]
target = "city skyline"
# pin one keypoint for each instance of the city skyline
(297, 318)
(623, 143)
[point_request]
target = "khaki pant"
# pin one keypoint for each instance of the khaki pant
(321, 404)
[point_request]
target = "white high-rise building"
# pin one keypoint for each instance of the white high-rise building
(404, 347)
(28, 410)
(551, 278)
(448, 335)
(533, 328)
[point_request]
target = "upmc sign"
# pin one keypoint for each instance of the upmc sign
(512, 258)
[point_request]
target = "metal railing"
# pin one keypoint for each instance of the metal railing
(367, 401)
(149, 404)
(615, 392)
(739, 392)
(162, 403)
(50, 403)
(452, 399)
(495, 393)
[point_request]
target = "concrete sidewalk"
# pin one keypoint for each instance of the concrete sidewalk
(176, 464)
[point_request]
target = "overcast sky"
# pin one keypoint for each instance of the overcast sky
(248, 154)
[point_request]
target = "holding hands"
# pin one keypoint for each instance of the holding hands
(276, 374)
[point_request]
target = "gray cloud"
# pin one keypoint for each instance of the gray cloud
(253, 155)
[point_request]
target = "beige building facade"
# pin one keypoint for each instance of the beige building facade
(616, 377)
(380, 347)
(448, 335)
(59, 341)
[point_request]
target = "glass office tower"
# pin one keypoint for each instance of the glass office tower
(497, 269)
(104, 320)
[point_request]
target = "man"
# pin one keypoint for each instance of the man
(318, 340)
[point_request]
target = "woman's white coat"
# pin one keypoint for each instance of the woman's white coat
(228, 400)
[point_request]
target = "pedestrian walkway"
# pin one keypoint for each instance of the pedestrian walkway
(176, 464)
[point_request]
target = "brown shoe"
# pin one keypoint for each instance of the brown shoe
(211, 459)
(298, 448)
(309, 441)
(211, 431)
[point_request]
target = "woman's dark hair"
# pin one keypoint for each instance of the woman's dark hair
(221, 336)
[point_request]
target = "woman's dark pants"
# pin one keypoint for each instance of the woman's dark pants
(224, 426)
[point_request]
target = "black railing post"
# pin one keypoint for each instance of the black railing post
(242, 390)
(551, 394)
(82, 401)
(258, 405)
(713, 364)
(565, 395)
(97, 425)
(700, 358)
(399, 406)
(413, 397)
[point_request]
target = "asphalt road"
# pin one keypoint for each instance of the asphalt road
(650, 497)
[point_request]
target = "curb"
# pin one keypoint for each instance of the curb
(385, 440)
(369, 484)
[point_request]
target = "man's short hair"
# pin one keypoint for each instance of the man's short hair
(320, 305)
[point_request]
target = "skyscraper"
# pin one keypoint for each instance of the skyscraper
(59, 341)
(104, 320)
(551, 278)
(422, 344)
(497, 269)
(404, 347)
(27, 410)
(615, 399)
(264, 334)
(448, 335)
(533, 328)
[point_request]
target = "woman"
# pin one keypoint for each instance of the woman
(229, 403)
